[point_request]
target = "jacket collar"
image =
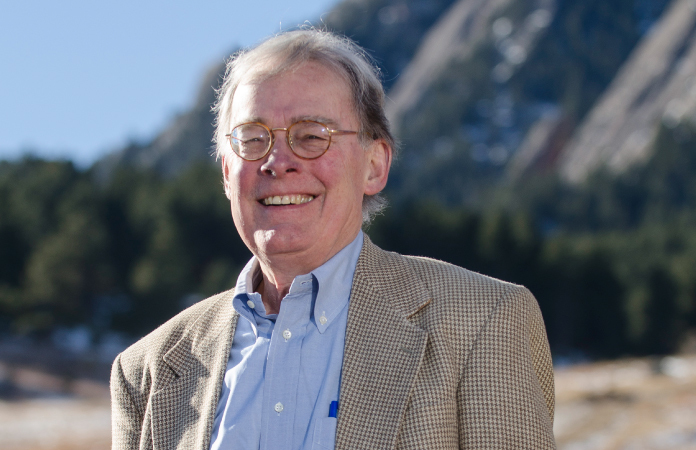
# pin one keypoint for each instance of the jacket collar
(383, 350)
(197, 361)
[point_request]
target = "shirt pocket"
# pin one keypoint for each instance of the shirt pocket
(325, 434)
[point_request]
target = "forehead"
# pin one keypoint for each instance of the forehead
(308, 91)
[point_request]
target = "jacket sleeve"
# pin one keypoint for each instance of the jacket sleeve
(506, 393)
(126, 419)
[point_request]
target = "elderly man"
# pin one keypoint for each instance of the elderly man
(328, 341)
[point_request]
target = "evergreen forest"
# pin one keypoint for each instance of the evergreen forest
(611, 262)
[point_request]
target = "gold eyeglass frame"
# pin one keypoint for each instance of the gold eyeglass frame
(288, 139)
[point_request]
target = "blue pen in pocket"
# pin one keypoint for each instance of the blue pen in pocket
(333, 409)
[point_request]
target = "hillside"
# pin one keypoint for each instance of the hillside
(506, 104)
(656, 85)
(455, 36)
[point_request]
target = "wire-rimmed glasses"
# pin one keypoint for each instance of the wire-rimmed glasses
(308, 139)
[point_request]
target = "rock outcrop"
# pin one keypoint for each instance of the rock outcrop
(454, 36)
(657, 84)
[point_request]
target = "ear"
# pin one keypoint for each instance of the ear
(379, 157)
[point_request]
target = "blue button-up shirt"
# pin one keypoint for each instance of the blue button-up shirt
(284, 369)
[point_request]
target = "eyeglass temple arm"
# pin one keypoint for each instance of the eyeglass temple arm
(336, 132)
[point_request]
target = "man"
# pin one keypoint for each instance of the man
(328, 341)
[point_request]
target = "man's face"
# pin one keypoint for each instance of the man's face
(308, 233)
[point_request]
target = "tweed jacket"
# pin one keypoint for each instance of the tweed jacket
(436, 357)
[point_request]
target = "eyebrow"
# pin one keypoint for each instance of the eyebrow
(323, 119)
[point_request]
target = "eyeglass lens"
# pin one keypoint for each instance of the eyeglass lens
(307, 139)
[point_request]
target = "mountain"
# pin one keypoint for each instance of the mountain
(480, 92)
(657, 85)
(454, 108)
(455, 36)
(391, 31)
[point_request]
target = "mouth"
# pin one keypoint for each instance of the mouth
(293, 199)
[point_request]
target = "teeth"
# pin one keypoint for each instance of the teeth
(295, 199)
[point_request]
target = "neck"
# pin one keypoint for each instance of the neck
(272, 291)
(278, 275)
(279, 272)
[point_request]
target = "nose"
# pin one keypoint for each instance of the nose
(281, 159)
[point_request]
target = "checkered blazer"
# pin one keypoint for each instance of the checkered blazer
(436, 357)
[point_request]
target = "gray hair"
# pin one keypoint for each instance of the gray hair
(286, 51)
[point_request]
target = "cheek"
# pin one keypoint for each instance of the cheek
(349, 170)
(354, 171)
(239, 178)
(238, 182)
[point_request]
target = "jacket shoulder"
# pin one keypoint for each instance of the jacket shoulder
(429, 268)
(140, 362)
(453, 283)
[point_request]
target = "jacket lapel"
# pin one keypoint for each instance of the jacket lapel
(383, 350)
(183, 410)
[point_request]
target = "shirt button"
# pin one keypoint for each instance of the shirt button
(251, 304)
(322, 320)
(278, 407)
(287, 334)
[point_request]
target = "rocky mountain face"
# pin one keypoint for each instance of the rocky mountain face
(657, 85)
(391, 31)
(455, 108)
(484, 92)
(462, 28)
(496, 91)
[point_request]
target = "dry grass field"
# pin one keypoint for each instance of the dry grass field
(40, 411)
(637, 404)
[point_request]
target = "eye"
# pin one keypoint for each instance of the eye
(310, 132)
(250, 133)
(309, 137)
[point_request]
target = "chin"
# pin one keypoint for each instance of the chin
(277, 241)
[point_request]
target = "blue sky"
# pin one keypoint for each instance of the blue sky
(81, 78)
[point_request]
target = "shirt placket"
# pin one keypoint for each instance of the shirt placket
(283, 369)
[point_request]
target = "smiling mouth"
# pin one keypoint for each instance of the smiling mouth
(296, 199)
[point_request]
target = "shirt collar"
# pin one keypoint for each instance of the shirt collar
(245, 301)
(247, 277)
(334, 280)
